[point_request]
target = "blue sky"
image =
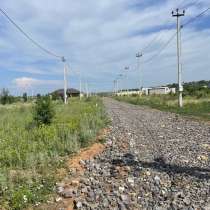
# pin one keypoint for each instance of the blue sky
(100, 38)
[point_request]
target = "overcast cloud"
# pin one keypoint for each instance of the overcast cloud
(99, 38)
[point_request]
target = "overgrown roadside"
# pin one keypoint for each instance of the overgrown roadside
(31, 156)
(193, 107)
(71, 176)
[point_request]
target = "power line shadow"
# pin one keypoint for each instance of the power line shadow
(160, 165)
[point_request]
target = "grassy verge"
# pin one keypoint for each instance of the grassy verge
(29, 155)
(192, 107)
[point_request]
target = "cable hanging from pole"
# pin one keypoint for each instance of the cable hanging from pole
(194, 18)
(162, 48)
(174, 35)
(30, 38)
(157, 36)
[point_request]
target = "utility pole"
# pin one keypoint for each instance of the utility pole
(126, 69)
(65, 81)
(80, 86)
(115, 86)
(87, 91)
(138, 56)
(120, 85)
(177, 14)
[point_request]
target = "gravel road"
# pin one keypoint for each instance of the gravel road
(154, 160)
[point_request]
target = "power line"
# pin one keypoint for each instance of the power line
(162, 48)
(158, 35)
(174, 35)
(194, 18)
(190, 4)
(29, 37)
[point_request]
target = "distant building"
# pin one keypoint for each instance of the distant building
(146, 91)
(161, 90)
(71, 92)
(129, 93)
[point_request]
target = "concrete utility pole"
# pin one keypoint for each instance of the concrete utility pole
(138, 56)
(119, 85)
(177, 14)
(65, 81)
(87, 90)
(80, 86)
(126, 69)
(115, 86)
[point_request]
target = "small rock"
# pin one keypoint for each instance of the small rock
(121, 189)
(84, 190)
(187, 201)
(78, 204)
(148, 173)
(58, 199)
(75, 183)
(60, 190)
(67, 193)
(157, 180)
(130, 180)
(82, 162)
(203, 158)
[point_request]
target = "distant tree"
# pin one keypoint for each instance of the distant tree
(5, 97)
(43, 111)
(38, 95)
(25, 97)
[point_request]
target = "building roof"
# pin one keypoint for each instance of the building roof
(69, 91)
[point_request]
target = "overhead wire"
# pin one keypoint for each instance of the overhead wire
(29, 37)
(194, 18)
(158, 35)
(162, 48)
(186, 6)
(174, 35)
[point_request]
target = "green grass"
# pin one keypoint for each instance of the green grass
(29, 154)
(199, 108)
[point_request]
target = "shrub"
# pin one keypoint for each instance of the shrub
(43, 111)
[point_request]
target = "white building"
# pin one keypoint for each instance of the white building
(147, 91)
(161, 90)
(129, 93)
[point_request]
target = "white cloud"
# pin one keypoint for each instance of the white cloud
(100, 38)
(26, 82)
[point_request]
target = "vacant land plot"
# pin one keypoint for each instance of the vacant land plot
(30, 154)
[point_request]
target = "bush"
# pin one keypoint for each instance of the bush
(43, 111)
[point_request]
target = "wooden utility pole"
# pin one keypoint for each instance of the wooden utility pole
(177, 14)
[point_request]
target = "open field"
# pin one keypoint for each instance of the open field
(199, 108)
(30, 155)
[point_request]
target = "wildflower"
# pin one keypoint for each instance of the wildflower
(25, 199)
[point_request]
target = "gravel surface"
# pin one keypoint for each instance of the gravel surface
(154, 160)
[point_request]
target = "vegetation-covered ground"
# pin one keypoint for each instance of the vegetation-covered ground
(193, 106)
(30, 154)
